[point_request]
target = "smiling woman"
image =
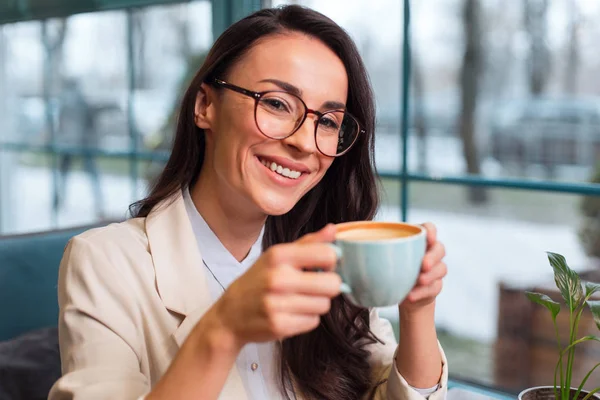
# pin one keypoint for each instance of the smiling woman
(208, 291)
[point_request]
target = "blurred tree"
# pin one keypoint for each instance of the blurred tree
(572, 57)
(469, 85)
(180, 22)
(502, 30)
(193, 65)
(162, 139)
(167, 131)
(419, 116)
(53, 36)
(539, 63)
(139, 23)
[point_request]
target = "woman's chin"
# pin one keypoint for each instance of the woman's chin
(276, 205)
(277, 210)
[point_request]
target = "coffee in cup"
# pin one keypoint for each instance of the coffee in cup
(379, 262)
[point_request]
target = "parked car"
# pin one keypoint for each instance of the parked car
(546, 132)
(439, 114)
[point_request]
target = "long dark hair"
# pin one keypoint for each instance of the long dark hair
(330, 362)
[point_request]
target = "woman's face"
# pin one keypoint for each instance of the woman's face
(241, 158)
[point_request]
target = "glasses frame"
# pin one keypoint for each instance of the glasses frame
(259, 95)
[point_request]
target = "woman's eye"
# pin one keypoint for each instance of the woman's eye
(329, 123)
(276, 104)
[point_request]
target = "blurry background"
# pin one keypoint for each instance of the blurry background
(500, 147)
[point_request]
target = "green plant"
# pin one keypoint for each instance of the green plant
(576, 296)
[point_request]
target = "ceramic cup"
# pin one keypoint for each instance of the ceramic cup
(379, 262)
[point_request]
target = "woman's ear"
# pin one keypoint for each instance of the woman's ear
(204, 107)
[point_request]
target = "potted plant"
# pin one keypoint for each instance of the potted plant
(577, 296)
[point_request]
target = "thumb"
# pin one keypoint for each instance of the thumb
(325, 234)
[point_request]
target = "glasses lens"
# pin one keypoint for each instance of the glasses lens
(336, 132)
(278, 114)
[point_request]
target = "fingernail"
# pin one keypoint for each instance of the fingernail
(338, 251)
(344, 288)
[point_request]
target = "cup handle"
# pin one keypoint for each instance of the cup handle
(344, 287)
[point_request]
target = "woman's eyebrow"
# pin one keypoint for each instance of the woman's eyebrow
(288, 87)
(334, 105)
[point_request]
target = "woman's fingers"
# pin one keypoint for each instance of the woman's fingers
(286, 279)
(438, 272)
(434, 255)
(431, 233)
(428, 292)
(289, 269)
(326, 234)
(429, 284)
(280, 296)
(301, 256)
(298, 304)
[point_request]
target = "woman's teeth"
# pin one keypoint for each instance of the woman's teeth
(288, 173)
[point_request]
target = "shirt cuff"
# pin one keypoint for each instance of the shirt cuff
(397, 384)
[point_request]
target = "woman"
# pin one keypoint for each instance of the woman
(274, 143)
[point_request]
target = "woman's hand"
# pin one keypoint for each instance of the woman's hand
(433, 270)
(275, 298)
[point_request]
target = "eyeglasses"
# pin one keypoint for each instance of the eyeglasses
(279, 114)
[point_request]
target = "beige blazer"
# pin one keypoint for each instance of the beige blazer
(129, 295)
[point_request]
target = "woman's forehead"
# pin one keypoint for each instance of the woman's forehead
(298, 59)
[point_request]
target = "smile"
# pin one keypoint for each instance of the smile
(278, 169)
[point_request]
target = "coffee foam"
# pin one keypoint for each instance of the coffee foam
(375, 231)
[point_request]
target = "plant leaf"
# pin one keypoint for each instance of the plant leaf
(578, 342)
(595, 308)
(567, 281)
(545, 301)
(591, 288)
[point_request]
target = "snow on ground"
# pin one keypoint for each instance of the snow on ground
(31, 199)
(482, 252)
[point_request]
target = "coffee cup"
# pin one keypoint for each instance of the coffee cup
(379, 262)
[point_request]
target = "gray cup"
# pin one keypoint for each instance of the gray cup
(379, 262)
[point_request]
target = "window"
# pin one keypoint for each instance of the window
(90, 99)
(501, 146)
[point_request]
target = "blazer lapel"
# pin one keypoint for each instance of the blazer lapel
(180, 281)
(180, 278)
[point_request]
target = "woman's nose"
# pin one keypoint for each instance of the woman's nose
(303, 139)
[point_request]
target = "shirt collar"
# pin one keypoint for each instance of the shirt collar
(212, 250)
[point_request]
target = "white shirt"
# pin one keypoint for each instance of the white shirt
(256, 362)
